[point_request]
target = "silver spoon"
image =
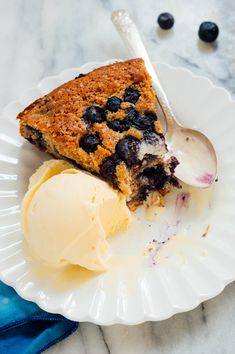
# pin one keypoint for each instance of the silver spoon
(194, 151)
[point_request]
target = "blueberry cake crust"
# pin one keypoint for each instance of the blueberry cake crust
(105, 122)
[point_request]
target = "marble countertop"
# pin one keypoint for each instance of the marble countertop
(40, 38)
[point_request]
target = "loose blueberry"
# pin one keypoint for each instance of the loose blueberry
(127, 149)
(90, 142)
(108, 169)
(208, 31)
(113, 104)
(118, 125)
(131, 95)
(94, 114)
(165, 20)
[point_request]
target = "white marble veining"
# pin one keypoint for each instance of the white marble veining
(40, 38)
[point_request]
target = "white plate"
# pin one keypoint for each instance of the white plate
(189, 268)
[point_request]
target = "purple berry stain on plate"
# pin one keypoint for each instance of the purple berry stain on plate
(168, 230)
(182, 200)
(166, 233)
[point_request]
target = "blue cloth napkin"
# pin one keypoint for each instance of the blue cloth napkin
(25, 328)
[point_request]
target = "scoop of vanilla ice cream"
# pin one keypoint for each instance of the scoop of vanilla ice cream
(67, 214)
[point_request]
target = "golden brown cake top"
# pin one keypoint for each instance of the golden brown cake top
(104, 121)
(60, 114)
(61, 109)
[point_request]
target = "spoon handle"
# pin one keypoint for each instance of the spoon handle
(131, 37)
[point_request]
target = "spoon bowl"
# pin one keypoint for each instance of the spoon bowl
(194, 151)
(196, 155)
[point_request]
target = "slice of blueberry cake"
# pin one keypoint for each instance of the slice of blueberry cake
(105, 122)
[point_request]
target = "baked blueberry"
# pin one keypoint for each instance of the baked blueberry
(173, 164)
(208, 31)
(166, 20)
(118, 125)
(151, 137)
(108, 168)
(94, 114)
(143, 192)
(150, 115)
(157, 177)
(144, 122)
(113, 104)
(90, 142)
(131, 95)
(131, 113)
(80, 75)
(127, 149)
(35, 137)
(174, 182)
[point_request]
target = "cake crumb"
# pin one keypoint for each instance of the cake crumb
(205, 233)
